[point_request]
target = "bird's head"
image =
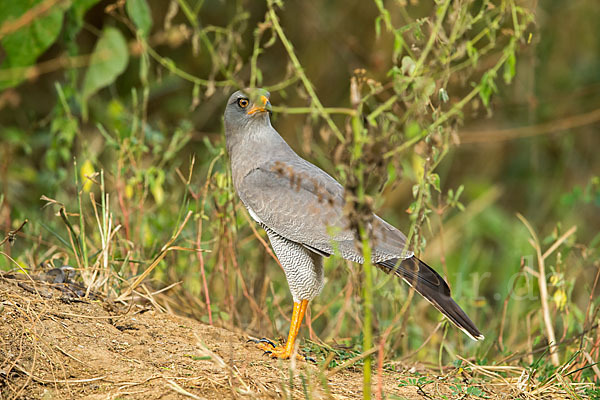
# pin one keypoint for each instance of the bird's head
(245, 107)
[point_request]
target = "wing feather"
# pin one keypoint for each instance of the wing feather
(302, 203)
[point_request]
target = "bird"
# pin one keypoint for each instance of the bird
(301, 209)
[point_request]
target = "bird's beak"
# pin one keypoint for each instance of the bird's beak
(265, 107)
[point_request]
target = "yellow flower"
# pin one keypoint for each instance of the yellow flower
(87, 169)
(560, 298)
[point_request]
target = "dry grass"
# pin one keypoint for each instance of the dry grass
(56, 344)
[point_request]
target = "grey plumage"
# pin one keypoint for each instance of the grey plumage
(301, 208)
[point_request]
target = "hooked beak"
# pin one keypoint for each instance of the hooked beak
(265, 107)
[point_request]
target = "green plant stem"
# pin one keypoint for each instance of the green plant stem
(300, 71)
(438, 25)
(308, 110)
(192, 18)
(388, 104)
(81, 219)
(283, 84)
(171, 67)
(385, 15)
(386, 18)
(256, 50)
(368, 311)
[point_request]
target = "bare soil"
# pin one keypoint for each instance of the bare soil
(55, 345)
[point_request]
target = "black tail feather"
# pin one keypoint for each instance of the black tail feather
(432, 286)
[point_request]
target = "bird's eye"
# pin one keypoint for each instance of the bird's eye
(243, 103)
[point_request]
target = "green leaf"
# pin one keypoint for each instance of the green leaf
(487, 87)
(434, 179)
(413, 130)
(459, 191)
(472, 53)
(108, 61)
(408, 65)
(140, 14)
(378, 27)
(25, 45)
(156, 180)
(392, 174)
(428, 86)
(510, 67)
(398, 43)
(412, 208)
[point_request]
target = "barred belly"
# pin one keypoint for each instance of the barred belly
(303, 268)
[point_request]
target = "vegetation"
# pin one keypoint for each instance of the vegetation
(471, 125)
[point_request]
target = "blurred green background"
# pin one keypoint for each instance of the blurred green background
(152, 102)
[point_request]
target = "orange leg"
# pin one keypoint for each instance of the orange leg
(287, 350)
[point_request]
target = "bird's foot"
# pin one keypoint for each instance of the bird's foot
(276, 351)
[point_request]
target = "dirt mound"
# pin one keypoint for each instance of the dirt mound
(54, 345)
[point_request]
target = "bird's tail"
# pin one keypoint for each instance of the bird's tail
(432, 286)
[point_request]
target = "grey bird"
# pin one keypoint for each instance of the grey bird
(300, 207)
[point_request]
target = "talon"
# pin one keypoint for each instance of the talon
(265, 340)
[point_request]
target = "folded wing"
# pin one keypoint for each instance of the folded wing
(304, 204)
